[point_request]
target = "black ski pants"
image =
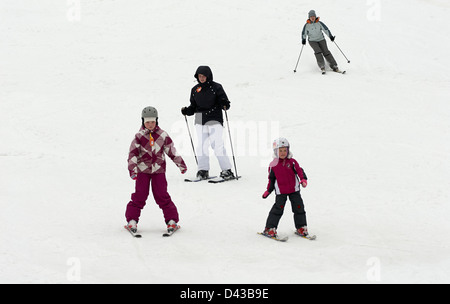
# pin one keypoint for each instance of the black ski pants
(298, 208)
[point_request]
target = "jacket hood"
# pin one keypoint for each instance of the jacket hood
(204, 70)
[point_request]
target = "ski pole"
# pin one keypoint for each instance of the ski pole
(348, 61)
(190, 136)
(232, 151)
(301, 51)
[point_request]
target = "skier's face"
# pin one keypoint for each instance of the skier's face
(312, 18)
(282, 152)
(150, 125)
(201, 78)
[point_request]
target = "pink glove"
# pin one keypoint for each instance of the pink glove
(266, 194)
(304, 183)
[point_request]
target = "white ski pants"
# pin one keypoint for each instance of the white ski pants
(211, 135)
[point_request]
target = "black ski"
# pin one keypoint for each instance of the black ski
(196, 179)
(171, 231)
(308, 237)
(134, 234)
(221, 180)
(340, 72)
(275, 238)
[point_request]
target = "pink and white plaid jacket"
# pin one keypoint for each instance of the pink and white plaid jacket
(147, 152)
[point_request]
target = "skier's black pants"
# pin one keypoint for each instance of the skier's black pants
(298, 208)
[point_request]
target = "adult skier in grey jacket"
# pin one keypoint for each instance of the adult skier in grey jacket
(314, 30)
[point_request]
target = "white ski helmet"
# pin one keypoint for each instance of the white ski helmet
(280, 143)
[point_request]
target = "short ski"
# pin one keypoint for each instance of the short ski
(171, 231)
(308, 237)
(196, 179)
(277, 238)
(134, 234)
(340, 72)
(221, 180)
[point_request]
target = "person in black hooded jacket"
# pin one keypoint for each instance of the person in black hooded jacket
(207, 101)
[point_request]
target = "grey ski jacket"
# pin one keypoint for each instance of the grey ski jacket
(315, 31)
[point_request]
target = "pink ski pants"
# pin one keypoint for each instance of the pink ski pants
(158, 183)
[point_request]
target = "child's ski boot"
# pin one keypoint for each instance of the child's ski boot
(303, 232)
(132, 225)
(172, 226)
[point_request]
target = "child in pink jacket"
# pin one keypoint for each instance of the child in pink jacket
(147, 166)
(285, 177)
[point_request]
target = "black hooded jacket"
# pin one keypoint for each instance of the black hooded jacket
(207, 99)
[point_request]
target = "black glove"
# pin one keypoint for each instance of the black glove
(303, 41)
(225, 104)
(184, 111)
(332, 38)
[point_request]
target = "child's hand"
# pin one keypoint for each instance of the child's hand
(134, 176)
(183, 170)
(265, 194)
(304, 183)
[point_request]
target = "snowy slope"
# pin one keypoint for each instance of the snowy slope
(374, 143)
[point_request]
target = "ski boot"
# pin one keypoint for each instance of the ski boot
(227, 174)
(303, 231)
(203, 174)
(172, 226)
(271, 232)
(132, 225)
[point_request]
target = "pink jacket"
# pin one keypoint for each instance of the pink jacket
(147, 152)
(285, 176)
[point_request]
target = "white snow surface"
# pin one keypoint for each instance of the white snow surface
(375, 143)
